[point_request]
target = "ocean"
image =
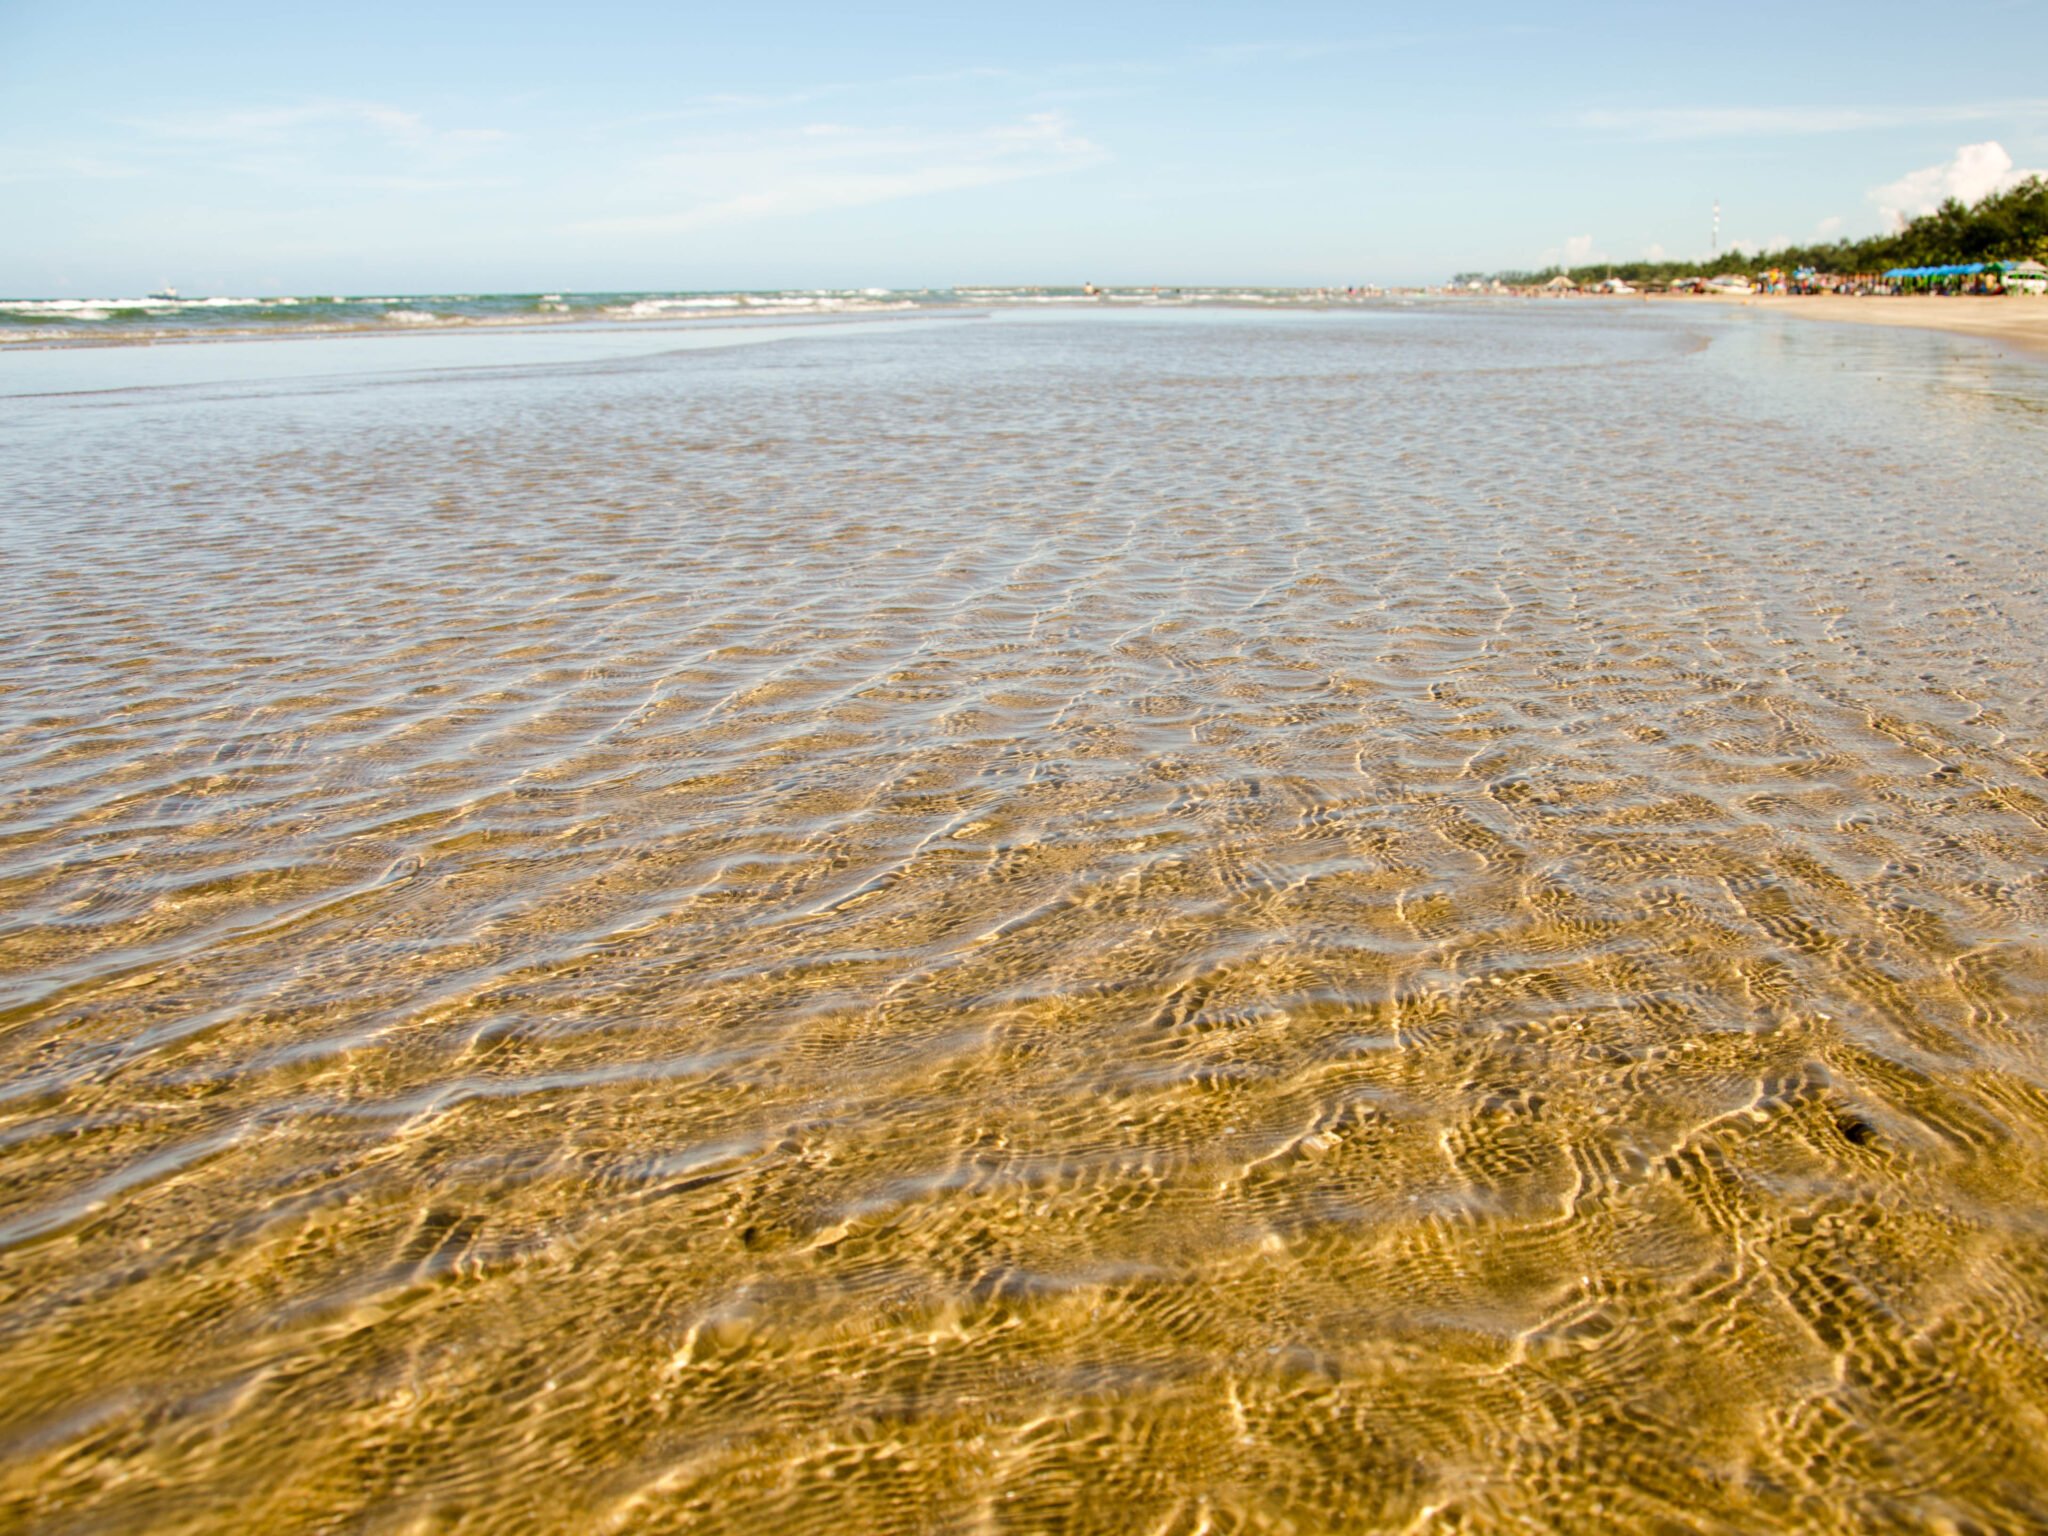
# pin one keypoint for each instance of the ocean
(1013, 917)
(166, 316)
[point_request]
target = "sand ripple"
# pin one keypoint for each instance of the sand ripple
(1175, 924)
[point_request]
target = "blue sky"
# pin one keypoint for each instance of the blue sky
(379, 147)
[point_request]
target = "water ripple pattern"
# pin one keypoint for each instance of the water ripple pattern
(1153, 922)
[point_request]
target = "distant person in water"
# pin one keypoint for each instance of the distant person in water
(1089, 290)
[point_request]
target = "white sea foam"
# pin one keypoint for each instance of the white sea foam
(817, 301)
(73, 308)
(643, 307)
(147, 319)
(77, 308)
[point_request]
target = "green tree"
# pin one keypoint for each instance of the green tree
(2004, 226)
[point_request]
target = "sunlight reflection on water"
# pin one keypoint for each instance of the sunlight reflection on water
(1163, 922)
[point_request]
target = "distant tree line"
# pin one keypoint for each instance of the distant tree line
(2006, 226)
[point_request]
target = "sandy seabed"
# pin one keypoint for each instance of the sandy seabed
(1373, 920)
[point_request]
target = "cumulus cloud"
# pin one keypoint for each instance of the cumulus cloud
(1653, 252)
(1578, 250)
(1829, 227)
(1975, 171)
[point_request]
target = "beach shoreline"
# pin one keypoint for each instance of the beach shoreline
(2016, 320)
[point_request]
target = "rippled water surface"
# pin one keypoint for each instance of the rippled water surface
(1408, 920)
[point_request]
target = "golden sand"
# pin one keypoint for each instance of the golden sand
(1419, 921)
(2019, 320)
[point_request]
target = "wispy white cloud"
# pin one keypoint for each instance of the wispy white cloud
(1975, 171)
(277, 125)
(737, 178)
(45, 164)
(720, 104)
(338, 143)
(1300, 50)
(1071, 80)
(1673, 123)
(1278, 51)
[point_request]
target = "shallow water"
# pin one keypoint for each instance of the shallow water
(1408, 920)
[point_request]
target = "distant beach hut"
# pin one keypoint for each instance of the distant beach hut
(2023, 276)
(1560, 284)
(1950, 277)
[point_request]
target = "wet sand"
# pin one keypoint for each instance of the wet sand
(2019, 320)
(1411, 921)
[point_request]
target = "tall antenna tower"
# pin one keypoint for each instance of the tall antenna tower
(1717, 226)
